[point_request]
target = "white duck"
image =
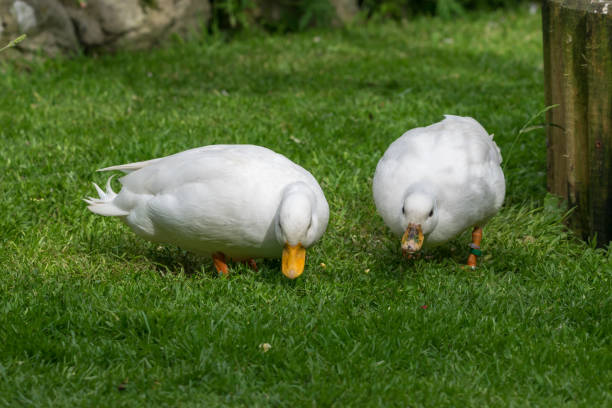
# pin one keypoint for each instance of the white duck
(235, 201)
(434, 182)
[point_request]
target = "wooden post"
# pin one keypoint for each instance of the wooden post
(578, 77)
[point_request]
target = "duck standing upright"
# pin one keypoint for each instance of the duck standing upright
(227, 201)
(436, 181)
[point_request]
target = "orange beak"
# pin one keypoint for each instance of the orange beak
(413, 238)
(294, 258)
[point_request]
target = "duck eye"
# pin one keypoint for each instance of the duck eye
(431, 212)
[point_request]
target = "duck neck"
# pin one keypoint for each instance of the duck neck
(295, 214)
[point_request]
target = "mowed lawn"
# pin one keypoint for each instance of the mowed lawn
(90, 315)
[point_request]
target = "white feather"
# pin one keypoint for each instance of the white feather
(456, 163)
(219, 198)
(103, 205)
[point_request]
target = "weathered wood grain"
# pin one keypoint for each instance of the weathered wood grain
(578, 77)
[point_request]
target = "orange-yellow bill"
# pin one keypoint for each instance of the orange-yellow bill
(294, 258)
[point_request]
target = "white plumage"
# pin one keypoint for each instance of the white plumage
(444, 178)
(241, 201)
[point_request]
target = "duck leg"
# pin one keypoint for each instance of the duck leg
(475, 247)
(250, 263)
(220, 265)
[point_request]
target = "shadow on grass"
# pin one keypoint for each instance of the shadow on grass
(166, 259)
(451, 257)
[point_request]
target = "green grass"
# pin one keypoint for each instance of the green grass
(92, 316)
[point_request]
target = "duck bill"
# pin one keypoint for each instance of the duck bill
(412, 240)
(294, 258)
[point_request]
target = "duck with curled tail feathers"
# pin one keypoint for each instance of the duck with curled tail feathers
(227, 201)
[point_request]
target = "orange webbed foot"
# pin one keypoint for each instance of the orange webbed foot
(220, 265)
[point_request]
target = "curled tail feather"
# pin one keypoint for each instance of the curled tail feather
(104, 204)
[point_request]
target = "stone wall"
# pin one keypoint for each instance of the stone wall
(73, 26)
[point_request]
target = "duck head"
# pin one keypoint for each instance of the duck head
(418, 218)
(298, 227)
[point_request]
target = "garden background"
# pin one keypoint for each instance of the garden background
(90, 315)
